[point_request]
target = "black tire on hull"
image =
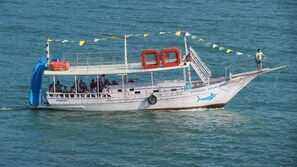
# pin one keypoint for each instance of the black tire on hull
(152, 99)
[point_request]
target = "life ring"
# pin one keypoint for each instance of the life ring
(152, 99)
(155, 52)
(164, 54)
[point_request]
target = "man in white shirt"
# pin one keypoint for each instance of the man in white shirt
(259, 56)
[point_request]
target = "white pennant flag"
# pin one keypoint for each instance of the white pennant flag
(239, 53)
(162, 33)
(64, 41)
(96, 39)
(187, 34)
(214, 45)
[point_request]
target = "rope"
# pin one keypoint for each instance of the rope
(276, 79)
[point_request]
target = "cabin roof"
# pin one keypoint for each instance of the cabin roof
(110, 69)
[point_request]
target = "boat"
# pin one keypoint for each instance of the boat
(126, 94)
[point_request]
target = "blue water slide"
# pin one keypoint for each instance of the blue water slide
(36, 80)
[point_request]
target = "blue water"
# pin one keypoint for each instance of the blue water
(257, 128)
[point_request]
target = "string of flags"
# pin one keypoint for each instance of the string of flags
(177, 33)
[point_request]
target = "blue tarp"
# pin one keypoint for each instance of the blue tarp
(36, 80)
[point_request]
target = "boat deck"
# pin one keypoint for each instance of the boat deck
(109, 69)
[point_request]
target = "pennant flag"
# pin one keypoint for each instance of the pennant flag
(81, 43)
(187, 34)
(114, 37)
(239, 53)
(162, 32)
(200, 40)
(145, 35)
(177, 33)
(194, 37)
(64, 41)
(229, 51)
(214, 45)
(221, 48)
(50, 40)
(128, 36)
(248, 55)
(96, 40)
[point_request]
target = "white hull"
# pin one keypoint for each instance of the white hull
(212, 96)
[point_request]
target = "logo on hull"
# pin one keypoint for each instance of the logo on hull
(208, 98)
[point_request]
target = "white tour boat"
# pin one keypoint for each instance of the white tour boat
(126, 94)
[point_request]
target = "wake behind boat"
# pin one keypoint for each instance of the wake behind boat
(125, 93)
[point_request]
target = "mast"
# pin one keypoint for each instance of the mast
(186, 48)
(125, 44)
(126, 57)
(47, 49)
(185, 41)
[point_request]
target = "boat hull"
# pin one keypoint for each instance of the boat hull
(211, 96)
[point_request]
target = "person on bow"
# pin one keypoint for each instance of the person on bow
(258, 58)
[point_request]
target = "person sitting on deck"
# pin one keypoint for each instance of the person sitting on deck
(106, 82)
(93, 85)
(51, 87)
(105, 91)
(188, 58)
(82, 85)
(86, 91)
(59, 86)
(72, 90)
(65, 90)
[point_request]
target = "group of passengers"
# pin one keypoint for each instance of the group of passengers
(101, 85)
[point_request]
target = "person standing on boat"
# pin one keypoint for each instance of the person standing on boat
(259, 56)
(93, 86)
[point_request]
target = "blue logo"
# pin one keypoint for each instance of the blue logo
(210, 97)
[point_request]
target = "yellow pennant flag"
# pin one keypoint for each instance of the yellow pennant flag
(145, 35)
(114, 37)
(200, 40)
(178, 33)
(81, 43)
(50, 40)
(229, 51)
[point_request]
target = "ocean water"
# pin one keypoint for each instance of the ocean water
(256, 128)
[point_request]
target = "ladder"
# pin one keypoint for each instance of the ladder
(199, 66)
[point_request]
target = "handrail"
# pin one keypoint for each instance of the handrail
(203, 70)
(200, 61)
(207, 71)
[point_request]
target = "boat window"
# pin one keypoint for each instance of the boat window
(173, 89)
(137, 92)
(132, 89)
(156, 90)
(120, 90)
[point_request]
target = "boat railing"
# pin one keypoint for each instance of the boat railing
(99, 59)
(238, 67)
(76, 95)
(229, 70)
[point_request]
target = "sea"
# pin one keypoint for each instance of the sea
(258, 127)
